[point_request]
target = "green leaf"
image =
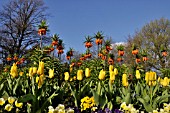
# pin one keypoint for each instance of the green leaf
(146, 105)
(137, 89)
(16, 85)
(27, 98)
(127, 98)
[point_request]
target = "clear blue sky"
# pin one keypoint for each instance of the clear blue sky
(75, 19)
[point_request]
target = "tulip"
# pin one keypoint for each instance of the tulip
(34, 70)
(137, 74)
(14, 72)
(19, 105)
(21, 73)
(37, 79)
(80, 75)
(102, 75)
(110, 67)
(165, 81)
(71, 68)
(112, 75)
(152, 76)
(115, 71)
(2, 101)
(31, 72)
(124, 80)
(87, 72)
(66, 76)
(147, 77)
(51, 73)
(8, 107)
(40, 81)
(41, 68)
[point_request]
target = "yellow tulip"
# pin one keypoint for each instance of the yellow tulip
(115, 71)
(124, 80)
(14, 72)
(110, 67)
(87, 72)
(34, 70)
(102, 75)
(8, 107)
(137, 74)
(41, 68)
(2, 101)
(19, 105)
(40, 81)
(152, 76)
(21, 73)
(66, 76)
(11, 100)
(147, 77)
(112, 75)
(165, 81)
(51, 73)
(74, 77)
(71, 68)
(31, 72)
(80, 75)
(37, 79)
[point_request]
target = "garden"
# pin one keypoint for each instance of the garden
(100, 80)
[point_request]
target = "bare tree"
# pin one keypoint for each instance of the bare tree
(18, 25)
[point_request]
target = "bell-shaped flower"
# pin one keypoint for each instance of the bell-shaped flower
(87, 72)
(102, 74)
(51, 73)
(80, 75)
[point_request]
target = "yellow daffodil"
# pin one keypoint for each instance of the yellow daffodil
(110, 67)
(80, 75)
(115, 71)
(102, 75)
(66, 76)
(137, 74)
(2, 101)
(11, 100)
(14, 72)
(8, 107)
(87, 72)
(19, 105)
(51, 73)
(41, 68)
(112, 75)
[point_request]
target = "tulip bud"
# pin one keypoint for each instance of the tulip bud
(110, 67)
(137, 74)
(14, 72)
(115, 71)
(40, 81)
(80, 75)
(51, 73)
(112, 75)
(87, 72)
(124, 80)
(41, 68)
(34, 70)
(31, 72)
(102, 75)
(147, 77)
(66, 76)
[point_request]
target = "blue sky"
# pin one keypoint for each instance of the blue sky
(75, 19)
